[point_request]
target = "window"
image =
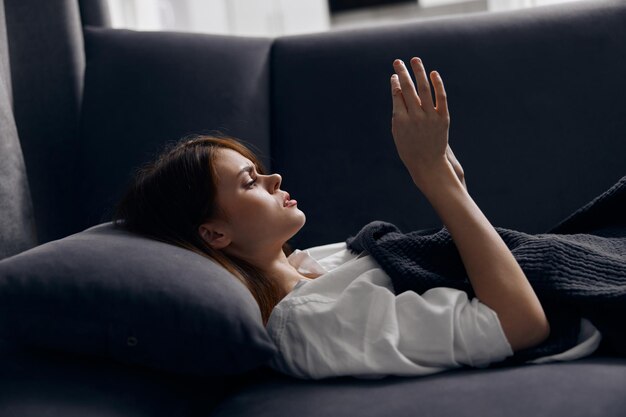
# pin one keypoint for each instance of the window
(287, 17)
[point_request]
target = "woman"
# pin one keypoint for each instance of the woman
(331, 312)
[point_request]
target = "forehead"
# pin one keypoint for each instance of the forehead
(229, 163)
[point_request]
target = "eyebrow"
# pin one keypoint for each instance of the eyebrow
(247, 168)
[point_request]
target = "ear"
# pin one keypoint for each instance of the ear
(214, 235)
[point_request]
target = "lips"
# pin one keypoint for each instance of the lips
(288, 201)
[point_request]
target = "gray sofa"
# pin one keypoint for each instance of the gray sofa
(537, 120)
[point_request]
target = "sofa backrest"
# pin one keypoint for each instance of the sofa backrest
(137, 98)
(534, 96)
(537, 118)
(16, 218)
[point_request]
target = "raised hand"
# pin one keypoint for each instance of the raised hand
(420, 132)
(419, 127)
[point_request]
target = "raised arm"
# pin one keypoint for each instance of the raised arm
(420, 132)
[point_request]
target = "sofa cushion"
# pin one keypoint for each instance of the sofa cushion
(592, 386)
(109, 293)
(143, 89)
(518, 86)
(57, 384)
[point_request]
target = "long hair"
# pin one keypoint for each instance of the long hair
(170, 197)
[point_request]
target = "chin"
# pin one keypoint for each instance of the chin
(298, 226)
(303, 219)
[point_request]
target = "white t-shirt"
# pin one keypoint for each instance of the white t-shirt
(349, 322)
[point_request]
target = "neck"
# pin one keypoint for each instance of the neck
(273, 262)
(285, 273)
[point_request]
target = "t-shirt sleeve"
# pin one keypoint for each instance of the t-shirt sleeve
(370, 332)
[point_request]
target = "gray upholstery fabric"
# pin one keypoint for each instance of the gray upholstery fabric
(536, 121)
(533, 102)
(47, 64)
(95, 13)
(591, 387)
(5, 68)
(51, 384)
(16, 217)
(105, 292)
(143, 89)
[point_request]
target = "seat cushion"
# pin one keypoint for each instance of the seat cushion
(55, 384)
(590, 387)
(109, 293)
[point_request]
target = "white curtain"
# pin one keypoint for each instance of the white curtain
(265, 17)
(235, 17)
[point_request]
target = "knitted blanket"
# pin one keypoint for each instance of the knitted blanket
(577, 268)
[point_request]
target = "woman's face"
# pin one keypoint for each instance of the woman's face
(254, 203)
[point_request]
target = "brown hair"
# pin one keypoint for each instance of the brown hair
(170, 197)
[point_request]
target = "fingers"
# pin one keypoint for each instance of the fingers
(440, 94)
(423, 86)
(409, 94)
(399, 107)
(421, 98)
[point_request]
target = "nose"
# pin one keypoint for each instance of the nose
(275, 181)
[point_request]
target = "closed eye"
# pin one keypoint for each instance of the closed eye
(251, 183)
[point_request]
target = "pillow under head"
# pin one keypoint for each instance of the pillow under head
(107, 292)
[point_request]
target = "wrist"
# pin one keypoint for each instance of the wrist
(436, 177)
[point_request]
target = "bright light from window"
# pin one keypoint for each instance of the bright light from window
(237, 17)
(285, 17)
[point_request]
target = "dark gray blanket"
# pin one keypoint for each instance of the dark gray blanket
(577, 268)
